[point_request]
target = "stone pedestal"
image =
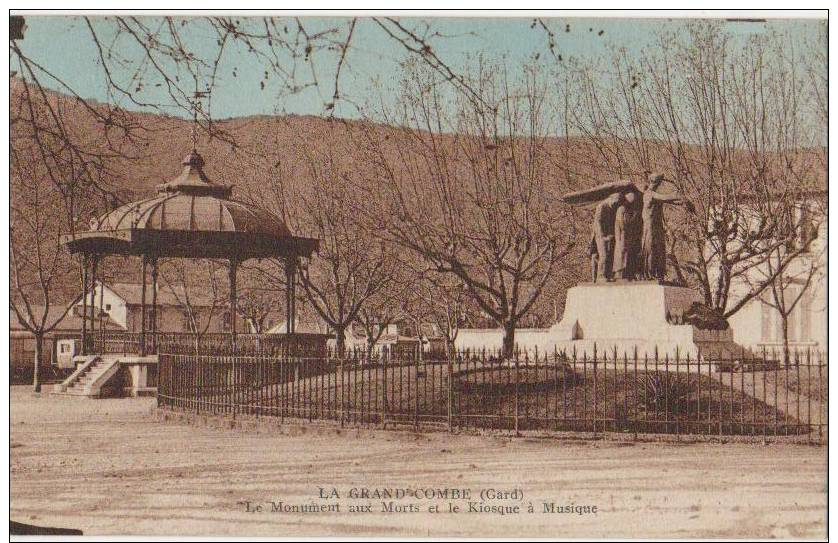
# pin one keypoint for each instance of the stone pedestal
(639, 315)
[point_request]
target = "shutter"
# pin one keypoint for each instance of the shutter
(791, 296)
(766, 322)
(778, 326)
(806, 316)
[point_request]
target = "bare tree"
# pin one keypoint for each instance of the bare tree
(817, 72)
(255, 305)
(38, 264)
(196, 287)
(159, 63)
(351, 266)
(257, 297)
(172, 66)
(448, 306)
(792, 283)
(464, 185)
(377, 314)
(728, 124)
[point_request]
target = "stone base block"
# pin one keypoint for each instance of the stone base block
(624, 318)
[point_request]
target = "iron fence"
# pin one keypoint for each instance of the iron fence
(762, 397)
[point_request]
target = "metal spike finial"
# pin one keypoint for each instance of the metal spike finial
(196, 107)
(195, 132)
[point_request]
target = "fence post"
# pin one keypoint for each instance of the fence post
(384, 356)
(808, 396)
(342, 390)
(198, 384)
(161, 372)
(282, 389)
(450, 393)
(721, 396)
(636, 411)
(596, 390)
(677, 407)
(517, 382)
(416, 387)
(821, 368)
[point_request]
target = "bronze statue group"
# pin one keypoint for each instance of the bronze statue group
(628, 241)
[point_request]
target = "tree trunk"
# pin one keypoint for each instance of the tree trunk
(340, 341)
(255, 325)
(786, 350)
(36, 377)
(449, 348)
(508, 340)
(370, 346)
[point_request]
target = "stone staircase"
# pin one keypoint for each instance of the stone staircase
(90, 377)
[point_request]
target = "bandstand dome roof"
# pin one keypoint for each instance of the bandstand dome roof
(191, 217)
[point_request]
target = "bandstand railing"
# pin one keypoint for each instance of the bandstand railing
(208, 343)
(118, 343)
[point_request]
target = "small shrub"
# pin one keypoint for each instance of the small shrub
(704, 318)
(662, 391)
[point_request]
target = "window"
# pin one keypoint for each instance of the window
(806, 227)
(799, 320)
(187, 324)
(787, 230)
(791, 295)
(806, 316)
(107, 307)
(767, 310)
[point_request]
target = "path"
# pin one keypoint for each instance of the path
(106, 467)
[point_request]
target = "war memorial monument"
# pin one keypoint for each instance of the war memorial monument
(628, 306)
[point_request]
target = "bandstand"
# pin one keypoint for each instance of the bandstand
(190, 217)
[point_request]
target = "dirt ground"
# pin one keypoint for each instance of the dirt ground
(108, 467)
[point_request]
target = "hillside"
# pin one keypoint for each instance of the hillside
(263, 157)
(246, 152)
(267, 159)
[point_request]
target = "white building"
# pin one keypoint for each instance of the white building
(122, 303)
(758, 324)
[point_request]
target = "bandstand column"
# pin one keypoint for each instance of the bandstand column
(290, 295)
(154, 273)
(143, 309)
(93, 278)
(85, 261)
(232, 270)
(102, 312)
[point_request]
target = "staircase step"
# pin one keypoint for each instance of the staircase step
(80, 385)
(71, 392)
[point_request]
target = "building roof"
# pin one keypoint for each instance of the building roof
(70, 323)
(172, 295)
(191, 217)
(301, 327)
(389, 339)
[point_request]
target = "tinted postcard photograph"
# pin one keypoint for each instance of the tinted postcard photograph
(499, 274)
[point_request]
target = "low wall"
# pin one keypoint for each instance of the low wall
(491, 339)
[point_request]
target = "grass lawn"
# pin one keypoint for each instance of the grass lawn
(548, 398)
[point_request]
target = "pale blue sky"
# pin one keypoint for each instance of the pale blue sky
(63, 45)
